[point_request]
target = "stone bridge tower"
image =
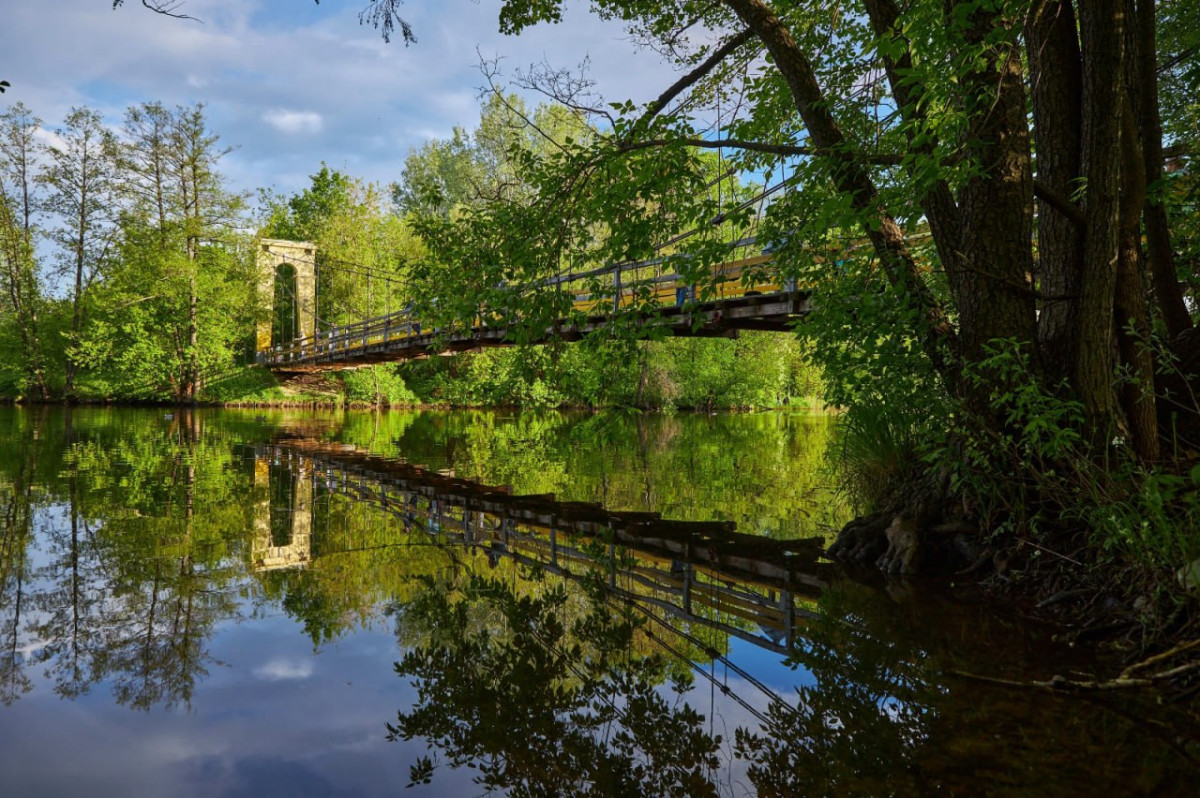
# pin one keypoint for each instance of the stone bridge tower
(294, 264)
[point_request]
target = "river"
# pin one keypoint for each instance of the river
(259, 603)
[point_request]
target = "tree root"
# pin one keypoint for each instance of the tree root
(917, 531)
(862, 540)
(1157, 658)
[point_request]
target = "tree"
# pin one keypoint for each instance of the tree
(204, 209)
(18, 205)
(438, 176)
(484, 165)
(174, 303)
(81, 178)
(145, 164)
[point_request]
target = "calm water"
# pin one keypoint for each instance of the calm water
(249, 604)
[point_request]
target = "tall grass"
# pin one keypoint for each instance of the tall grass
(878, 452)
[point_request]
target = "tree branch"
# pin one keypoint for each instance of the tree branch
(709, 64)
(168, 8)
(850, 177)
(1059, 203)
(384, 16)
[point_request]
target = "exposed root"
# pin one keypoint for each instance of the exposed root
(862, 540)
(1157, 658)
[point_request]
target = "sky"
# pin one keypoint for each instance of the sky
(291, 84)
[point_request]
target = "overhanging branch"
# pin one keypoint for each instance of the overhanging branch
(168, 8)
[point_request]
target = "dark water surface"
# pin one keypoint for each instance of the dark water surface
(271, 604)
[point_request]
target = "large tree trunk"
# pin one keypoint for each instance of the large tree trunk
(1132, 322)
(993, 290)
(984, 236)
(1102, 24)
(1056, 85)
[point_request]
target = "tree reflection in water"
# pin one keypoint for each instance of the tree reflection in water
(136, 574)
(546, 697)
(546, 691)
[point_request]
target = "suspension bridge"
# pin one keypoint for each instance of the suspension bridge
(743, 291)
(737, 297)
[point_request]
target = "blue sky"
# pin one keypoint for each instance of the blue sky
(289, 83)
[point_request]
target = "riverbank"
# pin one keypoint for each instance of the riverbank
(254, 387)
(1141, 622)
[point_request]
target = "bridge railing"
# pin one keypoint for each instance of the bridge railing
(661, 281)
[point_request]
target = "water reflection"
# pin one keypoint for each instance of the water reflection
(699, 572)
(575, 643)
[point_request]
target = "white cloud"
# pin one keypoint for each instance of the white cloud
(279, 670)
(337, 92)
(50, 138)
(288, 121)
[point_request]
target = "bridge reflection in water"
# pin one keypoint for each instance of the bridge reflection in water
(748, 587)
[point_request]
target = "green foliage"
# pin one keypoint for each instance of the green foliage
(377, 385)
(1054, 477)
(755, 371)
(302, 216)
(1150, 515)
(135, 345)
(247, 384)
(146, 232)
(472, 168)
(765, 471)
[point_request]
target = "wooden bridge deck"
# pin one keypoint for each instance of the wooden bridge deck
(396, 338)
